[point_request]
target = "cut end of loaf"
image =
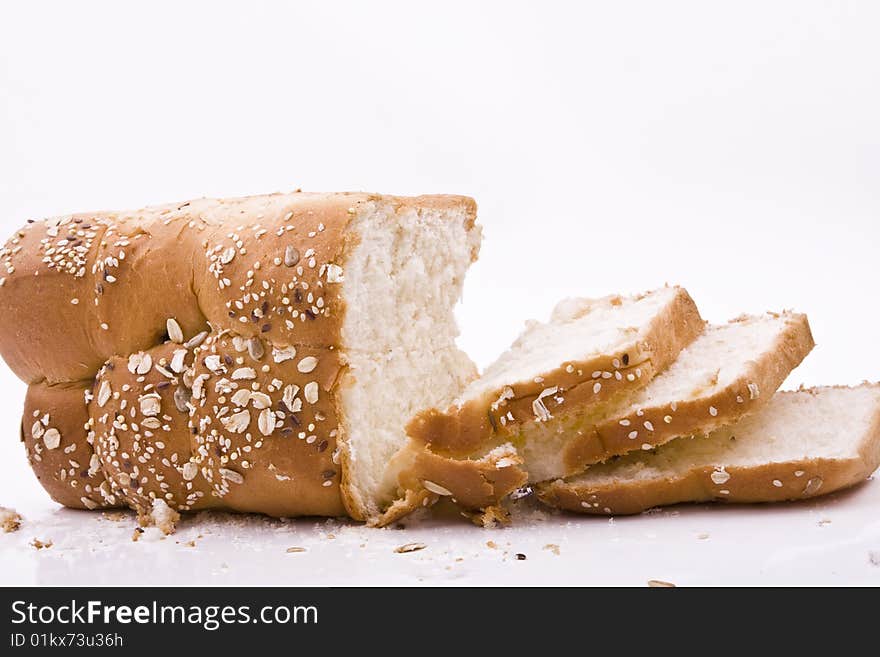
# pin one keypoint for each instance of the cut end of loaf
(403, 279)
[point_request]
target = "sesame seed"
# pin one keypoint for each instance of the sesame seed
(596, 388)
(632, 435)
(713, 411)
(777, 483)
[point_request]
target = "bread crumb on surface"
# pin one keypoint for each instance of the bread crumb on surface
(553, 548)
(10, 520)
(492, 545)
(410, 547)
(291, 550)
(161, 516)
(40, 545)
(660, 584)
(703, 536)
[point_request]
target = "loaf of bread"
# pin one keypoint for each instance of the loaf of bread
(801, 444)
(294, 354)
(257, 354)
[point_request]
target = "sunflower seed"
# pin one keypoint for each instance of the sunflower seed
(266, 422)
(307, 364)
(310, 392)
(175, 333)
(196, 340)
(291, 256)
(181, 399)
(190, 470)
(255, 348)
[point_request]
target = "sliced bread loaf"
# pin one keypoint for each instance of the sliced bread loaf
(801, 444)
(729, 371)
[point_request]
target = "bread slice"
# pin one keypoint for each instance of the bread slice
(802, 444)
(729, 371)
(591, 351)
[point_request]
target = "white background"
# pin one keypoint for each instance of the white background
(733, 148)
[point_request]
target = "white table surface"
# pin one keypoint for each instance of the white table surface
(827, 541)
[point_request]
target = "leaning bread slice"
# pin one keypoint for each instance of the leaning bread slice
(802, 444)
(591, 351)
(729, 371)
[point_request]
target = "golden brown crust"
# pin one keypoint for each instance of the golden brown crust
(262, 268)
(498, 415)
(648, 427)
(769, 482)
(746, 485)
(58, 443)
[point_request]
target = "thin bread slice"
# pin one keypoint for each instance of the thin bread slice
(802, 444)
(729, 371)
(591, 351)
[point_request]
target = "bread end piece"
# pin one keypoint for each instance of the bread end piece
(803, 444)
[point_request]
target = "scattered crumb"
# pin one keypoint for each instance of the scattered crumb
(703, 536)
(10, 520)
(520, 556)
(190, 544)
(492, 544)
(40, 545)
(553, 548)
(330, 537)
(824, 521)
(874, 557)
(291, 550)
(410, 547)
(114, 516)
(660, 584)
(136, 534)
(459, 558)
(160, 515)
